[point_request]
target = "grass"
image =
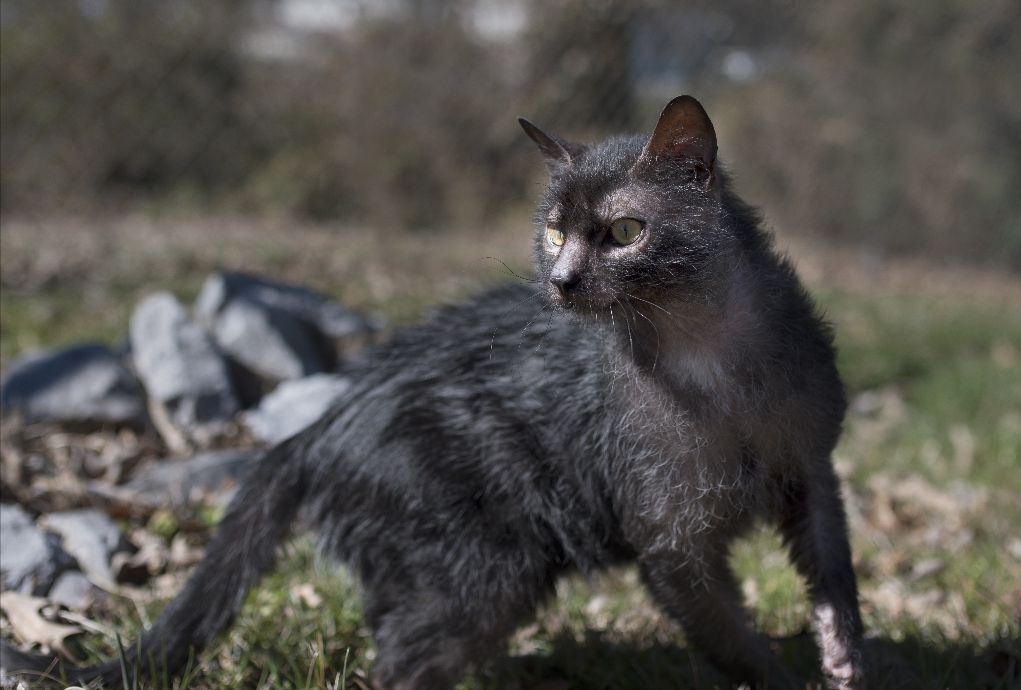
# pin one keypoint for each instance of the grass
(931, 459)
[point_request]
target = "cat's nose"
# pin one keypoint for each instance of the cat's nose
(565, 281)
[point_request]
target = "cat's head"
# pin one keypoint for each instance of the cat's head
(632, 217)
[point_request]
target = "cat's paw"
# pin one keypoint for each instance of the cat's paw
(841, 657)
(843, 676)
(844, 670)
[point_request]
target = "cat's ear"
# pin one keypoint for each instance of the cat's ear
(555, 150)
(684, 132)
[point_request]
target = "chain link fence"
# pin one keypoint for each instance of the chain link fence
(894, 125)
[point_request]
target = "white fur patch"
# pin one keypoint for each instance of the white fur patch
(838, 658)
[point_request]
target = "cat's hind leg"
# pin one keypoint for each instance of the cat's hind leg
(438, 617)
(428, 642)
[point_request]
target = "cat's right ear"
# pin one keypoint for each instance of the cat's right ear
(684, 133)
(555, 150)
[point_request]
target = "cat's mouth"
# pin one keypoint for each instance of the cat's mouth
(582, 303)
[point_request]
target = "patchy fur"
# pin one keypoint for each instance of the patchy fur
(681, 389)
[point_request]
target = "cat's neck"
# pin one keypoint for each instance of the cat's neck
(701, 344)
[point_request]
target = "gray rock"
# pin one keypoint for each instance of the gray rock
(82, 383)
(329, 316)
(30, 560)
(180, 366)
(269, 342)
(206, 478)
(73, 590)
(92, 538)
(293, 406)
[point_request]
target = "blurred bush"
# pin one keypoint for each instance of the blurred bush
(383, 127)
(141, 98)
(894, 124)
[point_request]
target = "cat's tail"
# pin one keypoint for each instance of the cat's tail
(242, 550)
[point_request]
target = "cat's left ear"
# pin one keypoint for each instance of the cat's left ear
(555, 150)
(684, 132)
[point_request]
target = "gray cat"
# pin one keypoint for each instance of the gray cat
(662, 385)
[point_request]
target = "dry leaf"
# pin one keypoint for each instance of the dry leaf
(183, 554)
(307, 594)
(25, 614)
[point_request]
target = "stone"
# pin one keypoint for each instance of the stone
(269, 342)
(331, 318)
(180, 366)
(206, 478)
(92, 539)
(82, 383)
(73, 590)
(294, 405)
(30, 560)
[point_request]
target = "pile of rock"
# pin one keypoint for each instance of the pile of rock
(250, 354)
(191, 373)
(63, 556)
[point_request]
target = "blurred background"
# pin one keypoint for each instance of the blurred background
(892, 125)
(370, 150)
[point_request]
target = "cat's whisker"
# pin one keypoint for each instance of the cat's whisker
(519, 302)
(631, 342)
(513, 307)
(655, 359)
(613, 324)
(549, 326)
(511, 270)
(530, 322)
(549, 323)
(653, 304)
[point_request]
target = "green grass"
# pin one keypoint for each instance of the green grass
(931, 458)
(957, 366)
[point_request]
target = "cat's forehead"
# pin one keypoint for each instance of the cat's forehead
(601, 170)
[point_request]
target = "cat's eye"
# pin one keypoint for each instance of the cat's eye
(626, 230)
(555, 237)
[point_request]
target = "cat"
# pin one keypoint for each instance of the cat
(663, 384)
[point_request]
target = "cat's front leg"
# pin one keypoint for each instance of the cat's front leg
(815, 528)
(705, 600)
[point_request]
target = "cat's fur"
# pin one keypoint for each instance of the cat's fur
(638, 403)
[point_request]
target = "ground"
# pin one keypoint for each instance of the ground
(931, 456)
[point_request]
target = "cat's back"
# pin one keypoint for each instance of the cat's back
(483, 338)
(490, 370)
(475, 411)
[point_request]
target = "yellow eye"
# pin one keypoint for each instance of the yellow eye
(626, 230)
(555, 237)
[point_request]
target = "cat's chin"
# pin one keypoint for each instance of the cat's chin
(582, 307)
